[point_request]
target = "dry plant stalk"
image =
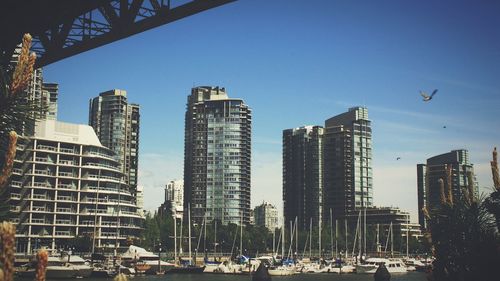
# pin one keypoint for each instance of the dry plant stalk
(494, 170)
(441, 191)
(470, 188)
(42, 258)
(448, 184)
(120, 277)
(9, 159)
(24, 67)
(7, 236)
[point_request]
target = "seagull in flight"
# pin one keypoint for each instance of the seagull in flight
(398, 158)
(427, 97)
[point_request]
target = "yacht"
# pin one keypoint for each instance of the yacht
(371, 265)
(145, 260)
(65, 266)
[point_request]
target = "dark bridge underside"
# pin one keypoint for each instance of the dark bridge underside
(63, 28)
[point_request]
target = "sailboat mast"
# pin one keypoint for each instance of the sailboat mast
(331, 232)
(189, 232)
(363, 252)
(392, 242)
(283, 239)
(407, 235)
(310, 237)
(296, 236)
(346, 246)
(336, 238)
(378, 239)
(274, 241)
(175, 239)
(241, 235)
(319, 238)
(215, 238)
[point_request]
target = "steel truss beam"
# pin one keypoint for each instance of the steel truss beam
(109, 21)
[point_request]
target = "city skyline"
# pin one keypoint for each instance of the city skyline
(300, 65)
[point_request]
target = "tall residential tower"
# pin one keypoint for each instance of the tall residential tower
(217, 156)
(454, 168)
(348, 184)
(116, 123)
(303, 175)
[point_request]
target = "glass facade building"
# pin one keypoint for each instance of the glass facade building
(348, 180)
(116, 123)
(217, 156)
(456, 171)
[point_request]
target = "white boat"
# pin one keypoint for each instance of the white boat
(67, 266)
(136, 254)
(282, 270)
(371, 265)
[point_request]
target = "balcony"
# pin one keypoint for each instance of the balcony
(46, 147)
(44, 159)
(15, 196)
(66, 186)
(67, 174)
(17, 171)
(65, 222)
(43, 172)
(63, 233)
(42, 184)
(39, 221)
(66, 162)
(67, 150)
(15, 183)
(65, 210)
(39, 196)
(65, 198)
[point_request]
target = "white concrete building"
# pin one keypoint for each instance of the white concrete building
(64, 185)
(174, 194)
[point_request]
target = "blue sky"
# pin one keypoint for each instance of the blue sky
(298, 63)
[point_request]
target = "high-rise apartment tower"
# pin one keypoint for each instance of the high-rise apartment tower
(348, 185)
(455, 169)
(116, 123)
(303, 175)
(217, 156)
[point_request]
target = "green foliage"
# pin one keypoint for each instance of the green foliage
(465, 241)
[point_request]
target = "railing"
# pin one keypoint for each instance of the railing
(46, 147)
(104, 223)
(17, 171)
(43, 172)
(15, 208)
(15, 183)
(66, 186)
(66, 162)
(42, 184)
(39, 196)
(65, 210)
(43, 159)
(67, 150)
(99, 165)
(63, 233)
(65, 198)
(15, 196)
(66, 174)
(66, 222)
(39, 209)
(93, 153)
(37, 220)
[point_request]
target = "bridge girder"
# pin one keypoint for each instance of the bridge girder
(63, 28)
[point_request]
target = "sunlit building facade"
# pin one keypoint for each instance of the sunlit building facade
(348, 179)
(116, 123)
(64, 185)
(217, 156)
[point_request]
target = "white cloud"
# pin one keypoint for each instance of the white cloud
(155, 170)
(396, 186)
(266, 179)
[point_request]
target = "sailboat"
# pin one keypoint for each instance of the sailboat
(187, 266)
(287, 266)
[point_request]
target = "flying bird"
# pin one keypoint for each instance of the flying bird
(444, 127)
(398, 158)
(427, 97)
